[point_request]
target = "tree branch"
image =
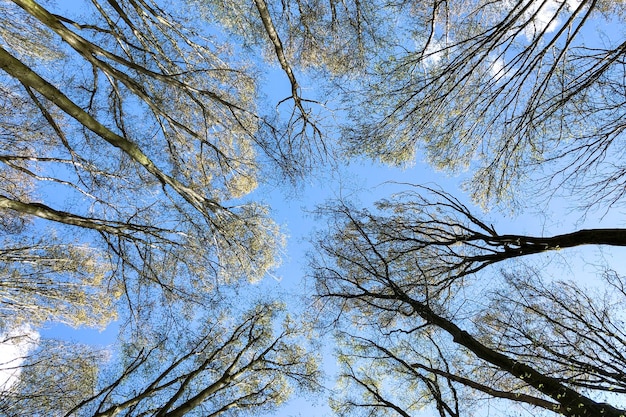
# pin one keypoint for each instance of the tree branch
(28, 77)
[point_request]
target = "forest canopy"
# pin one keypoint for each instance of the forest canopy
(139, 140)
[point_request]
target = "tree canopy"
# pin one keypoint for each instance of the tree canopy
(137, 137)
(419, 325)
(130, 136)
(518, 91)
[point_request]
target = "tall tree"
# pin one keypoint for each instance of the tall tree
(52, 377)
(222, 361)
(418, 326)
(129, 139)
(517, 90)
(528, 96)
(312, 41)
(135, 127)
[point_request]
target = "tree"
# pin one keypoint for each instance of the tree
(419, 327)
(53, 377)
(525, 97)
(314, 41)
(132, 136)
(224, 361)
(523, 92)
(129, 139)
(149, 134)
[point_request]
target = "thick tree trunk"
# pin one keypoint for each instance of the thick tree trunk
(513, 246)
(571, 403)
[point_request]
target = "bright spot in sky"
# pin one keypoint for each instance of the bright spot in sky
(496, 68)
(434, 52)
(544, 13)
(14, 347)
(540, 17)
